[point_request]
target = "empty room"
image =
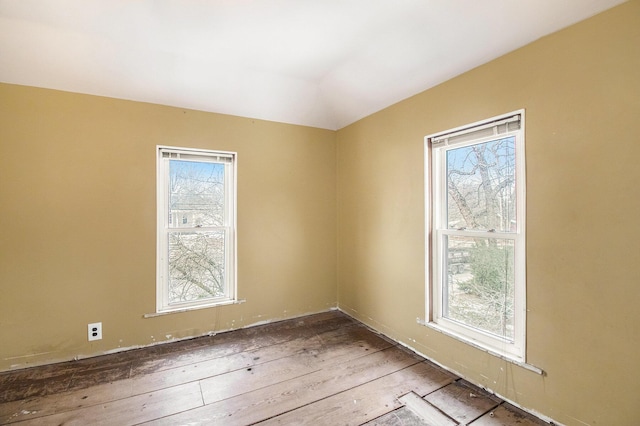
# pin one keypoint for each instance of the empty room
(421, 212)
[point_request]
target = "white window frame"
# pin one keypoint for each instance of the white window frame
(164, 154)
(436, 194)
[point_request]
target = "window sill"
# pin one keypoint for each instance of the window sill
(194, 308)
(503, 357)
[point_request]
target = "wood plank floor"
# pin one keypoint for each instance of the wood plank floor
(324, 369)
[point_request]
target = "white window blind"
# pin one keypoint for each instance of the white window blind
(201, 156)
(495, 128)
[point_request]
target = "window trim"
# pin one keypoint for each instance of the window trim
(434, 209)
(162, 228)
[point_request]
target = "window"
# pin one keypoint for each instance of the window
(196, 228)
(476, 194)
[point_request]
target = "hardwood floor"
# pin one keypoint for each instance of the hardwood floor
(324, 369)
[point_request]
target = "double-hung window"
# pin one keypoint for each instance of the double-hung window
(196, 257)
(476, 208)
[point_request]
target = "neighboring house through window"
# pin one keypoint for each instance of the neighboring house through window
(476, 212)
(196, 257)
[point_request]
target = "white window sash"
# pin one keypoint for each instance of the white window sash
(229, 159)
(436, 146)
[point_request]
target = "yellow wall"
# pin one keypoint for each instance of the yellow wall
(581, 91)
(78, 217)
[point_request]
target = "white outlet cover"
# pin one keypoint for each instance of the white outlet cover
(94, 331)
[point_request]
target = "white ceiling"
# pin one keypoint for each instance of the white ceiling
(321, 63)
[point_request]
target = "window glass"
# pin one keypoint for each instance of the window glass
(481, 186)
(196, 193)
(196, 266)
(480, 279)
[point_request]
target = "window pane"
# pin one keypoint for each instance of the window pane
(196, 194)
(481, 186)
(196, 265)
(479, 283)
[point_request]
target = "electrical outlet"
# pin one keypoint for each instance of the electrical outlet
(94, 331)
